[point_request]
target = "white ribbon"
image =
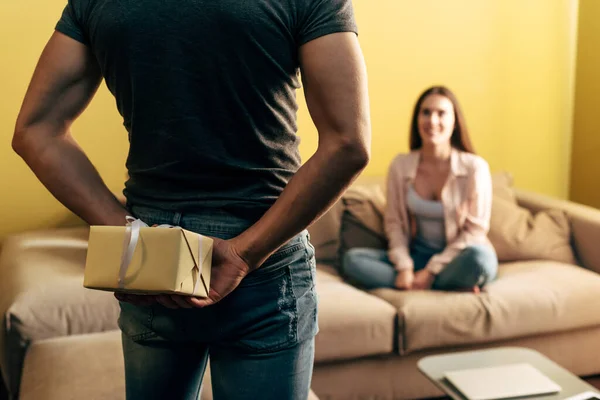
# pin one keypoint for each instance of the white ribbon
(132, 235)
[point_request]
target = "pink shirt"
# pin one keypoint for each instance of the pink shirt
(466, 198)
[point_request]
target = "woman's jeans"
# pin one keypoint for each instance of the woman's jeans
(260, 337)
(371, 268)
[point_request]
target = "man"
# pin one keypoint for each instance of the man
(206, 89)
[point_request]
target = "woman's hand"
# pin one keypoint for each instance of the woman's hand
(423, 280)
(404, 279)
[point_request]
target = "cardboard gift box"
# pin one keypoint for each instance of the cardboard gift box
(143, 260)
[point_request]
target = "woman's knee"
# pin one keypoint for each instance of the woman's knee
(360, 259)
(355, 258)
(483, 259)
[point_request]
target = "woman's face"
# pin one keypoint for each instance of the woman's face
(436, 120)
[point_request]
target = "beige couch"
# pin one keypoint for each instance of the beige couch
(59, 341)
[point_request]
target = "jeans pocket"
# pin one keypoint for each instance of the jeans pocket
(136, 321)
(274, 267)
(260, 315)
(276, 308)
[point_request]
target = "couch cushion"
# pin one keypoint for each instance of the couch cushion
(362, 219)
(518, 235)
(42, 294)
(76, 367)
(584, 221)
(352, 323)
(327, 272)
(324, 233)
(528, 298)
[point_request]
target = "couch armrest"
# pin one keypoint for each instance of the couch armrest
(42, 294)
(585, 224)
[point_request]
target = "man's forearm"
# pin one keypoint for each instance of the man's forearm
(62, 166)
(312, 190)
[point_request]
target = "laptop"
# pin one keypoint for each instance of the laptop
(501, 382)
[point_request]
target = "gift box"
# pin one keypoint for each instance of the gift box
(148, 260)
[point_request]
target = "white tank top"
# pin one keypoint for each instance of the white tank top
(429, 215)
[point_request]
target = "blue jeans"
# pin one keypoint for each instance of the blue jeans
(260, 338)
(371, 268)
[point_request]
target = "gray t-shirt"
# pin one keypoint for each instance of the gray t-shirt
(207, 91)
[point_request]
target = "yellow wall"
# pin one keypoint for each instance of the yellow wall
(25, 204)
(510, 63)
(585, 173)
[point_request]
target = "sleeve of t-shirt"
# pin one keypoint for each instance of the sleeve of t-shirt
(70, 22)
(322, 17)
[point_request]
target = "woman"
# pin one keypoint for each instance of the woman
(438, 209)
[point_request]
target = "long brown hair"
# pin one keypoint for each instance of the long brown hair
(460, 135)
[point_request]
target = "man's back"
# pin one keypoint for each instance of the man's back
(206, 95)
(207, 92)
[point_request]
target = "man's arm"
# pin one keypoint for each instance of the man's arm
(335, 86)
(64, 82)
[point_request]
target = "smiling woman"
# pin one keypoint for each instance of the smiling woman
(438, 209)
(437, 112)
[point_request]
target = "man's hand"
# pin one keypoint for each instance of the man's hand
(228, 270)
(404, 279)
(423, 280)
